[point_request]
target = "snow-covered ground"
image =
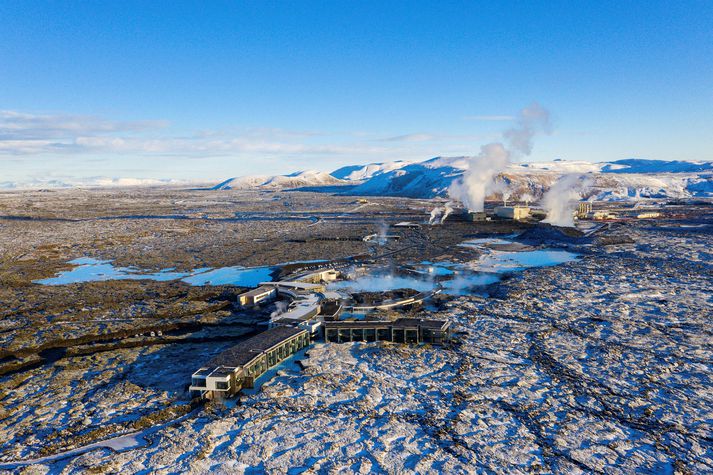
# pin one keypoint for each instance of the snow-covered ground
(600, 365)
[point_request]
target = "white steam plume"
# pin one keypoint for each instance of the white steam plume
(527, 198)
(280, 308)
(560, 199)
(447, 210)
(436, 213)
(477, 182)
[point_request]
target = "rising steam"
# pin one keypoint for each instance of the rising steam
(439, 215)
(478, 180)
(560, 199)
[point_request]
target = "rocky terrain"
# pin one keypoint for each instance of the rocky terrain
(600, 365)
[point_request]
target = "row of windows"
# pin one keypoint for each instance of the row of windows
(278, 354)
(397, 335)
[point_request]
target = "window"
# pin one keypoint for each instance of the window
(332, 334)
(370, 334)
(357, 334)
(344, 336)
(399, 335)
(383, 334)
(198, 382)
(411, 336)
(222, 385)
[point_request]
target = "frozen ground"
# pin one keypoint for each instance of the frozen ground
(598, 365)
(601, 365)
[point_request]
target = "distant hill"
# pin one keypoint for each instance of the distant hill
(619, 180)
(308, 178)
(612, 181)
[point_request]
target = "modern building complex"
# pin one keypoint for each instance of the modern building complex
(312, 312)
(403, 330)
(239, 366)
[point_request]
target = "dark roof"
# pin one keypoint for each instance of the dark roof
(245, 351)
(413, 322)
(399, 323)
(358, 324)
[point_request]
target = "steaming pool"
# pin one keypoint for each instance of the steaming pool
(459, 279)
(451, 278)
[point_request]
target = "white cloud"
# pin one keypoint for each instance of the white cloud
(23, 134)
(23, 126)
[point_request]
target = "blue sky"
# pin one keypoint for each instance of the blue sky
(208, 90)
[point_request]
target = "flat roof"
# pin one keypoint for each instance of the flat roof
(221, 372)
(421, 322)
(399, 323)
(263, 289)
(359, 324)
(294, 285)
(244, 352)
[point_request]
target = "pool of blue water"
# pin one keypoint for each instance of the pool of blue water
(93, 270)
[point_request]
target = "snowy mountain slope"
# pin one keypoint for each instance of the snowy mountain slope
(309, 178)
(618, 180)
(364, 172)
(416, 181)
(637, 165)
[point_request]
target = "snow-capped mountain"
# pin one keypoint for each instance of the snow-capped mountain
(364, 172)
(307, 178)
(619, 180)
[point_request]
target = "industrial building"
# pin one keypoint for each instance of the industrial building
(263, 293)
(512, 212)
(476, 216)
(602, 215)
(584, 209)
(403, 330)
(239, 366)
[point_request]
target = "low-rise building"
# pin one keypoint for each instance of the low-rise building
(324, 275)
(295, 288)
(476, 216)
(603, 215)
(403, 330)
(263, 293)
(239, 366)
(512, 212)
